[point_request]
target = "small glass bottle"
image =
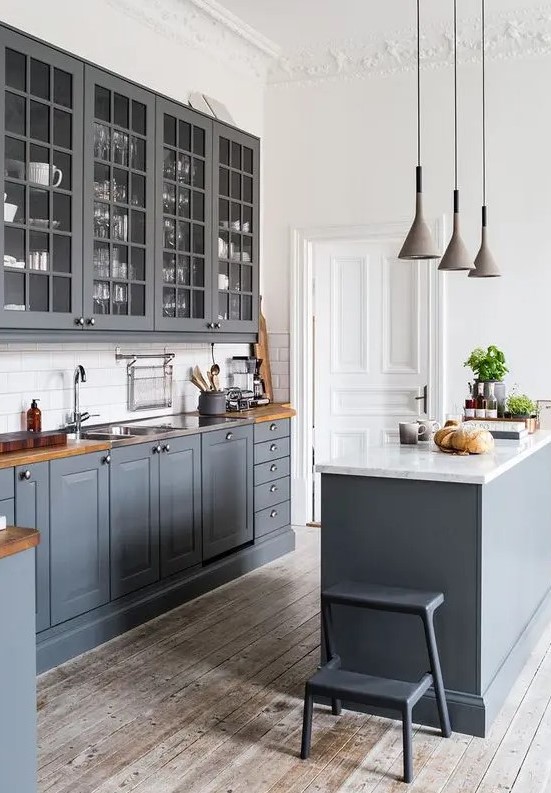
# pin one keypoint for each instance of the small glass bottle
(34, 417)
(480, 409)
(491, 403)
(470, 404)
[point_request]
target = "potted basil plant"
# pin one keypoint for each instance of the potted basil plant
(488, 366)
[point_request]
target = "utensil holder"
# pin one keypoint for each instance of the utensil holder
(212, 403)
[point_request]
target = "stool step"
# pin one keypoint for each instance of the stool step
(383, 598)
(366, 689)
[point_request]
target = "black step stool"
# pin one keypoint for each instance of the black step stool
(332, 682)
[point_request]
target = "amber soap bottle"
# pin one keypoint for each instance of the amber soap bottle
(34, 417)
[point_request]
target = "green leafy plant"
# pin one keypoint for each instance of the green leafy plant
(487, 364)
(521, 405)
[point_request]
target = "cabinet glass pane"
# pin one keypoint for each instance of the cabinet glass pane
(14, 291)
(199, 141)
(169, 302)
(138, 154)
(14, 158)
(16, 70)
(184, 168)
(248, 220)
(119, 230)
(137, 196)
(198, 238)
(248, 189)
(119, 261)
(62, 128)
(183, 271)
(64, 162)
(198, 206)
(102, 220)
(137, 226)
(102, 142)
(39, 209)
(137, 300)
(63, 88)
(246, 278)
(169, 164)
(183, 304)
(61, 254)
(169, 268)
(184, 236)
(62, 212)
(120, 299)
(169, 126)
(120, 147)
(121, 111)
(102, 297)
(39, 293)
(198, 173)
(120, 186)
(235, 155)
(15, 197)
(137, 264)
(40, 121)
(198, 272)
(139, 117)
(169, 198)
(102, 103)
(198, 297)
(40, 79)
(15, 114)
(184, 200)
(247, 159)
(61, 294)
(224, 151)
(184, 135)
(39, 251)
(14, 246)
(246, 308)
(102, 268)
(102, 181)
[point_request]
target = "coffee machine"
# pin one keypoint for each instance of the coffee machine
(246, 386)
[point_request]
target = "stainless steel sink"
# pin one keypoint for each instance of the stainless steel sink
(119, 432)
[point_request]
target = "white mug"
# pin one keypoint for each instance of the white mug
(431, 426)
(44, 173)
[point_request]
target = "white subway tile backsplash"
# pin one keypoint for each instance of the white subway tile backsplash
(278, 344)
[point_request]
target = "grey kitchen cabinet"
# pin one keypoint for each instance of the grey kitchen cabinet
(184, 271)
(227, 474)
(32, 511)
(79, 535)
(41, 132)
(235, 228)
(180, 504)
(7, 508)
(134, 517)
(119, 203)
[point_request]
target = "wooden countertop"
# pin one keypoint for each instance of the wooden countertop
(276, 411)
(30, 456)
(14, 540)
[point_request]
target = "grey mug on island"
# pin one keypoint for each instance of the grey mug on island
(411, 431)
(430, 427)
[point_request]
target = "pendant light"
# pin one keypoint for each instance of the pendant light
(456, 256)
(419, 243)
(485, 264)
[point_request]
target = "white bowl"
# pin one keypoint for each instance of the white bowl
(9, 212)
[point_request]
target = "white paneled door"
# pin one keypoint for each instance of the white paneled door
(371, 346)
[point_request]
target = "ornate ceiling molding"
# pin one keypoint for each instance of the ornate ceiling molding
(524, 33)
(208, 26)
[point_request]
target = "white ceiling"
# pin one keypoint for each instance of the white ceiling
(304, 24)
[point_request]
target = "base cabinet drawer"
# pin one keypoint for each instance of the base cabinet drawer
(271, 493)
(270, 430)
(272, 518)
(272, 450)
(277, 469)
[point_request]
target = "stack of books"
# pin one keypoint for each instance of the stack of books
(502, 429)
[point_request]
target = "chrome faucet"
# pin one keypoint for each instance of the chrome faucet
(78, 418)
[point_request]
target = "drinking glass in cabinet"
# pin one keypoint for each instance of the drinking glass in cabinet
(137, 154)
(169, 233)
(38, 260)
(119, 265)
(102, 142)
(120, 148)
(101, 220)
(183, 270)
(102, 186)
(183, 202)
(169, 164)
(120, 299)
(101, 259)
(184, 168)
(169, 302)
(169, 274)
(120, 225)
(182, 305)
(101, 297)
(169, 198)
(223, 247)
(120, 186)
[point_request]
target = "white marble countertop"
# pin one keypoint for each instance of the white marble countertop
(426, 462)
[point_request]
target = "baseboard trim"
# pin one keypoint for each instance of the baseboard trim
(74, 637)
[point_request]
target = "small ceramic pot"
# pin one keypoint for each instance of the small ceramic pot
(212, 403)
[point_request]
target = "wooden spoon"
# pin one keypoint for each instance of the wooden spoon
(199, 375)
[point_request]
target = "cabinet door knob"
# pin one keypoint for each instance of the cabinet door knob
(273, 488)
(217, 325)
(210, 325)
(166, 447)
(157, 449)
(273, 447)
(273, 467)
(91, 321)
(273, 513)
(273, 427)
(229, 436)
(25, 474)
(79, 321)
(107, 459)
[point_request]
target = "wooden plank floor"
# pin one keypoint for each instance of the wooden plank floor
(207, 699)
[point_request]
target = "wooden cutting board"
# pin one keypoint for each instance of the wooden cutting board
(261, 351)
(16, 441)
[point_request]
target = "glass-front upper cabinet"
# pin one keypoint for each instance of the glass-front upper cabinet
(119, 228)
(235, 229)
(184, 280)
(41, 150)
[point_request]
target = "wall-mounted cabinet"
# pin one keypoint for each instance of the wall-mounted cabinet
(124, 211)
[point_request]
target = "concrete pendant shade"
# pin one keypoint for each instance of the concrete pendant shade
(484, 265)
(419, 243)
(456, 256)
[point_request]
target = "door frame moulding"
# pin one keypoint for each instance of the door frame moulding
(303, 241)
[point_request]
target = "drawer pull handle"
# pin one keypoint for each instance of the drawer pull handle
(273, 467)
(273, 447)
(229, 436)
(273, 427)
(157, 449)
(166, 447)
(25, 475)
(273, 513)
(107, 459)
(273, 489)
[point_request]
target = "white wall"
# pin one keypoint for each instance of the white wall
(343, 152)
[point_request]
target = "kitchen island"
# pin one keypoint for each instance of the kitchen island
(476, 528)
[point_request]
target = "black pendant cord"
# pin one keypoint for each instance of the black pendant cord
(483, 109)
(455, 89)
(418, 85)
